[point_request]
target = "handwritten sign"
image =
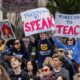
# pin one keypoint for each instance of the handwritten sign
(37, 20)
(67, 25)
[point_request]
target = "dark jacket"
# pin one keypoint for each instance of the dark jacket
(22, 53)
(22, 76)
(44, 48)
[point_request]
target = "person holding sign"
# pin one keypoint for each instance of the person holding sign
(44, 48)
(71, 46)
(7, 32)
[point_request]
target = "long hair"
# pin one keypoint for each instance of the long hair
(22, 46)
(74, 41)
(4, 75)
(35, 69)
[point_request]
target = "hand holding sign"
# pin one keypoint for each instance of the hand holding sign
(37, 21)
(67, 25)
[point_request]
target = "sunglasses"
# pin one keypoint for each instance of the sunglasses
(44, 70)
(70, 40)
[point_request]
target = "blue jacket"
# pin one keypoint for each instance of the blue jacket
(76, 52)
(75, 48)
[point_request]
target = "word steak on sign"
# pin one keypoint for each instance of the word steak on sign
(37, 20)
(67, 25)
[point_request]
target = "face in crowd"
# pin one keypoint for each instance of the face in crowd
(17, 44)
(70, 42)
(43, 35)
(46, 70)
(56, 62)
(15, 62)
(29, 66)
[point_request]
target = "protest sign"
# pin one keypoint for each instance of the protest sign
(67, 25)
(6, 30)
(37, 20)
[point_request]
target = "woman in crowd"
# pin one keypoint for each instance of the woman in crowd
(44, 48)
(47, 73)
(72, 46)
(32, 70)
(19, 49)
(3, 74)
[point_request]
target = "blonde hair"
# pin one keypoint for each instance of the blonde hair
(48, 60)
(4, 74)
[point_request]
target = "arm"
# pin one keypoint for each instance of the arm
(58, 42)
(76, 52)
(78, 44)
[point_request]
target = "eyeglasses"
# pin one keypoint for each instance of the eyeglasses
(44, 70)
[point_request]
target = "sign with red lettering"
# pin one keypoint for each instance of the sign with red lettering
(37, 20)
(67, 25)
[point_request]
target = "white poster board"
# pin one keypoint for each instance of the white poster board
(37, 20)
(67, 25)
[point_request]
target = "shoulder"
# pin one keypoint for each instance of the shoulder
(65, 70)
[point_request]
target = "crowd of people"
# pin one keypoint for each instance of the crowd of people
(55, 58)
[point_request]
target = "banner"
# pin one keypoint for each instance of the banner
(37, 20)
(6, 30)
(67, 25)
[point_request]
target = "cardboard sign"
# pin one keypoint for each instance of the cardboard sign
(67, 25)
(37, 20)
(6, 30)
